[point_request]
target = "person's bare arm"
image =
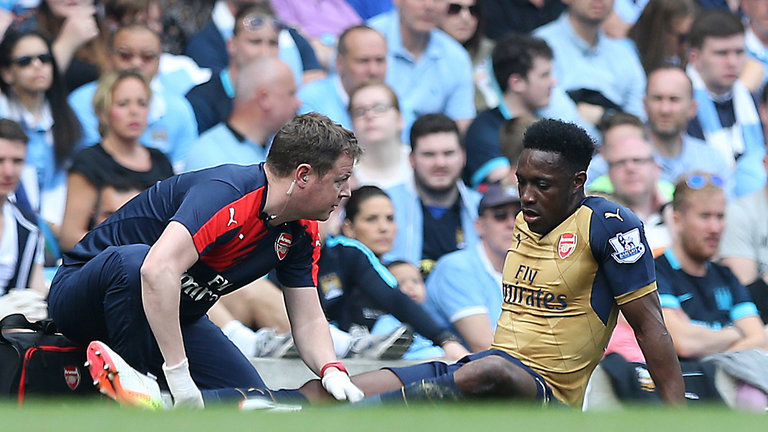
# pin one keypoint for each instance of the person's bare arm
(309, 327)
(754, 334)
(37, 280)
(81, 201)
(644, 315)
(744, 268)
(695, 341)
(476, 331)
(172, 254)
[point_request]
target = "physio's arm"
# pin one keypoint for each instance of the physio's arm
(172, 254)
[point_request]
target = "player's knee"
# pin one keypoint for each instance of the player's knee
(494, 376)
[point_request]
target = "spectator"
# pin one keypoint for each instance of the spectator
(265, 100)
(377, 122)
(633, 178)
(522, 66)
(744, 248)
(727, 116)
(755, 73)
(22, 285)
(212, 100)
(34, 95)
(321, 22)
(355, 287)
(429, 71)
(410, 283)
(585, 62)
(464, 289)
(208, 47)
(503, 17)
(511, 144)
(111, 197)
(361, 58)
(171, 120)
(78, 38)
(121, 103)
(177, 72)
(436, 212)
(706, 309)
(464, 22)
(661, 33)
(624, 15)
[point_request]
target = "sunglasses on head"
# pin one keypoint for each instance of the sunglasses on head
(25, 61)
(455, 9)
(254, 22)
(698, 181)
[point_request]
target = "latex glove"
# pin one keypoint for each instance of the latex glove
(28, 302)
(338, 384)
(184, 391)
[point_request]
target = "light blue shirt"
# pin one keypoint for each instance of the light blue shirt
(610, 67)
(463, 283)
(696, 155)
(409, 241)
(171, 127)
(440, 81)
(324, 96)
(218, 145)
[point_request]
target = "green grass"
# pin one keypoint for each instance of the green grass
(105, 416)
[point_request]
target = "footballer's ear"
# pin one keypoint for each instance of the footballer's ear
(579, 180)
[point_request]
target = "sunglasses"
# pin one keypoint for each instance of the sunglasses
(455, 9)
(254, 22)
(502, 214)
(25, 61)
(376, 109)
(128, 56)
(698, 181)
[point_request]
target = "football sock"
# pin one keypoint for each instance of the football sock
(442, 387)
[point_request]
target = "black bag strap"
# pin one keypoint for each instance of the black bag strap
(20, 322)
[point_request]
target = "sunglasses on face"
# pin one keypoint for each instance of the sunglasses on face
(455, 9)
(502, 214)
(698, 181)
(25, 61)
(128, 56)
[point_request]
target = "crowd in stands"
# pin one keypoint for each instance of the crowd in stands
(100, 99)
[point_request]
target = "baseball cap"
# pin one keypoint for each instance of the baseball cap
(498, 195)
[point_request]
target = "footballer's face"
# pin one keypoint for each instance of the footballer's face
(548, 190)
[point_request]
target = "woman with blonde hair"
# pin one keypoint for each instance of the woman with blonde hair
(121, 103)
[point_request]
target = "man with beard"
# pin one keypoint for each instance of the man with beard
(435, 214)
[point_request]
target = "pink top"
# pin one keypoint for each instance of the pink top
(315, 18)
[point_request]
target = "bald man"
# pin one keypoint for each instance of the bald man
(265, 99)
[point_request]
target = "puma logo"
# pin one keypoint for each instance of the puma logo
(231, 216)
(609, 215)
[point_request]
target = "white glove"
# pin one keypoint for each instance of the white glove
(340, 386)
(29, 302)
(184, 391)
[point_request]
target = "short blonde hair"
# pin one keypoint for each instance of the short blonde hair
(102, 98)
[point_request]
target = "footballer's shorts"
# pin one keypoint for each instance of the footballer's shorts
(101, 300)
(418, 372)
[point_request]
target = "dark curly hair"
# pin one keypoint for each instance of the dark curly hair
(569, 140)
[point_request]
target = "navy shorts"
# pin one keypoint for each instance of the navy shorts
(418, 372)
(101, 299)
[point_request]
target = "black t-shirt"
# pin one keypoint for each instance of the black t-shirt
(442, 235)
(101, 169)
